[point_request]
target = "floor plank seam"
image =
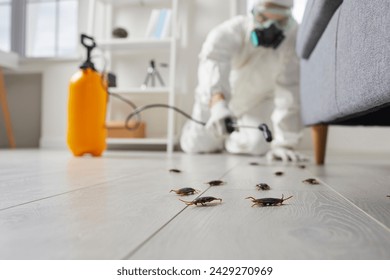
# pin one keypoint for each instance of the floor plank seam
(59, 194)
(229, 170)
(353, 204)
(137, 248)
(129, 255)
(32, 176)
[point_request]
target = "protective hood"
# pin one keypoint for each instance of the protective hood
(286, 3)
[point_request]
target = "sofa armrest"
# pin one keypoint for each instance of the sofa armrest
(315, 19)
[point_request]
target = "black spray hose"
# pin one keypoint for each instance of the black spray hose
(230, 125)
(142, 108)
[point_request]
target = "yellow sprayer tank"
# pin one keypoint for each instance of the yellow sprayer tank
(87, 108)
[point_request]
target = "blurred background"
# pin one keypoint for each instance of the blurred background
(42, 36)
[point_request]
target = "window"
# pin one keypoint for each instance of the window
(5, 25)
(299, 9)
(51, 28)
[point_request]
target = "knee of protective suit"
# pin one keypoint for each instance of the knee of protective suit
(196, 139)
(247, 143)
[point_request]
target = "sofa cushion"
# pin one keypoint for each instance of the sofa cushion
(363, 56)
(316, 17)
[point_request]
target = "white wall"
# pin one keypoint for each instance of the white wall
(353, 139)
(24, 103)
(55, 82)
(203, 17)
(54, 103)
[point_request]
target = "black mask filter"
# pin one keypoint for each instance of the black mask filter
(270, 37)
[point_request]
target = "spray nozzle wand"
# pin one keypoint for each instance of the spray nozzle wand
(232, 126)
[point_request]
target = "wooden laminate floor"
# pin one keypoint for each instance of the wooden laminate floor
(55, 206)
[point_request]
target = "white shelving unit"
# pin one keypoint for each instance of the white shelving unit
(155, 90)
(136, 46)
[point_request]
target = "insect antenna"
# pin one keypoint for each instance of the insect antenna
(187, 202)
(250, 197)
(286, 198)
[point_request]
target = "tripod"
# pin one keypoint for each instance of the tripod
(151, 75)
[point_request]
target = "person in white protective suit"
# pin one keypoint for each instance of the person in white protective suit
(249, 74)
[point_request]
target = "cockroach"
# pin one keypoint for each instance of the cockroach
(173, 170)
(387, 195)
(202, 200)
(302, 166)
(254, 163)
(185, 191)
(311, 181)
(215, 183)
(279, 173)
(268, 201)
(263, 186)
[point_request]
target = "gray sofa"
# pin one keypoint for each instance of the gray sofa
(344, 48)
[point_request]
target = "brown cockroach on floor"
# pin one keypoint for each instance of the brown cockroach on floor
(173, 170)
(311, 181)
(279, 173)
(185, 191)
(215, 183)
(263, 187)
(268, 201)
(302, 166)
(201, 200)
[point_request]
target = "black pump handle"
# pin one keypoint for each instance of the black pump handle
(89, 43)
(85, 39)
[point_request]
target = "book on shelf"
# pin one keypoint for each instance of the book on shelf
(159, 25)
(166, 30)
(152, 23)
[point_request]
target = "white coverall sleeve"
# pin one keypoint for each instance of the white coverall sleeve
(286, 117)
(221, 44)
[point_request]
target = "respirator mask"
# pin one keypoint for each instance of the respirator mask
(269, 32)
